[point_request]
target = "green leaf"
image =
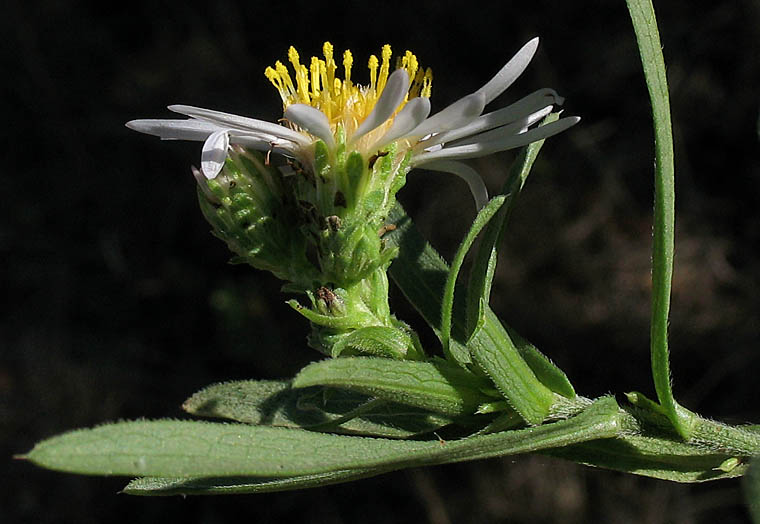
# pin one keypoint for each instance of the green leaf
(650, 49)
(545, 370)
(496, 354)
(275, 403)
(377, 341)
(194, 448)
(447, 305)
(157, 486)
(421, 274)
(648, 445)
(169, 448)
(752, 489)
(484, 266)
(660, 458)
(436, 386)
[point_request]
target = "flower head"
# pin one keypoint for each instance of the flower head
(327, 119)
(307, 198)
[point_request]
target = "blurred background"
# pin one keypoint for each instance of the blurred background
(119, 304)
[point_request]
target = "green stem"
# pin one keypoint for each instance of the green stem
(647, 35)
(647, 417)
(731, 439)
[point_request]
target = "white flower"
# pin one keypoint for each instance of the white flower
(394, 107)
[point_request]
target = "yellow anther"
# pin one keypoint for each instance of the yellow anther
(327, 97)
(409, 64)
(412, 64)
(327, 49)
(372, 72)
(348, 61)
(314, 69)
(386, 53)
(293, 56)
(344, 104)
(273, 77)
(303, 84)
(416, 86)
(302, 80)
(282, 72)
(427, 83)
(384, 68)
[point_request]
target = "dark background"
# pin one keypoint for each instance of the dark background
(118, 303)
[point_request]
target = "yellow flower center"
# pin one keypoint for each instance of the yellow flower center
(342, 101)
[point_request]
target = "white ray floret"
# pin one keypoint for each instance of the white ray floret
(510, 72)
(214, 153)
(241, 123)
(468, 174)
(414, 112)
(479, 149)
(197, 130)
(526, 105)
(312, 120)
(174, 129)
(458, 114)
(516, 127)
(393, 94)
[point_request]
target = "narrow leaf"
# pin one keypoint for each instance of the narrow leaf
(436, 386)
(275, 403)
(447, 305)
(168, 448)
(194, 448)
(545, 370)
(663, 238)
(421, 274)
(660, 458)
(496, 354)
(158, 486)
(484, 266)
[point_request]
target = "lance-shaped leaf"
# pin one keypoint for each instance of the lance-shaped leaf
(545, 370)
(447, 305)
(158, 486)
(657, 457)
(664, 213)
(421, 274)
(437, 386)
(648, 445)
(484, 266)
(171, 448)
(275, 403)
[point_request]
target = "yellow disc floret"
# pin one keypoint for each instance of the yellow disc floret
(343, 102)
